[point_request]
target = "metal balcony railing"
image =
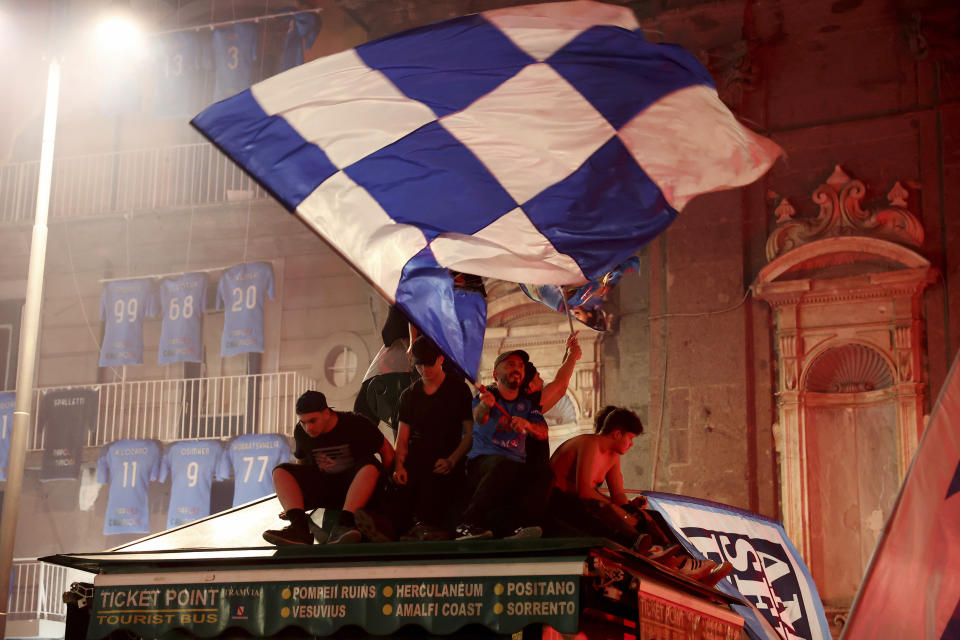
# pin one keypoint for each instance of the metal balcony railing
(187, 408)
(125, 182)
(36, 590)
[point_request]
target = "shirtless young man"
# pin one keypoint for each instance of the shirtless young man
(583, 463)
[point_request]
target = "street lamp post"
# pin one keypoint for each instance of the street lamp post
(29, 329)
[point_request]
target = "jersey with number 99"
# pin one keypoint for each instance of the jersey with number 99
(182, 300)
(123, 306)
(241, 295)
(191, 465)
(252, 458)
(129, 466)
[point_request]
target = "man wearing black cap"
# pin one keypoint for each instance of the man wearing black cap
(502, 497)
(337, 470)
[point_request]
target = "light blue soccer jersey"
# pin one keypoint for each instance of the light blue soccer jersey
(252, 458)
(123, 306)
(129, 466)
(241, 295)
(177, 62)
(191, 464)
(7, 402)
(234, 49)
(182, 300)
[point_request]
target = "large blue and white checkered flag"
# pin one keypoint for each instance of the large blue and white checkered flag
(542, 143)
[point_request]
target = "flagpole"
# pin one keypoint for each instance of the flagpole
(29, 329)
(566, 310)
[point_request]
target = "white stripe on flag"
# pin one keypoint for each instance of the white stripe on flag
(342, 105)
(541, 30)
(521, 136)
(689, 143)
(351, 220)
(510, 248)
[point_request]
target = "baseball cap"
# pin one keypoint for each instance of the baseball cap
(520, 353)
(311, 401)
(424, 351)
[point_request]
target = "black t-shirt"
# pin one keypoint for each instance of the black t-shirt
(436, 420)
(66, 417)
(348, 446)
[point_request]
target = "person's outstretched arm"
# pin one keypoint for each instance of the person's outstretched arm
(553, 391)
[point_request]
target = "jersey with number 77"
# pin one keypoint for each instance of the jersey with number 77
(241, 294)
(252, 458)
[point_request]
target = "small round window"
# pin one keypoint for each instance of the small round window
(340, 366)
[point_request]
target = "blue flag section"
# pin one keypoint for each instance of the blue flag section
(542, 143)
(586, 302)
(768, 571)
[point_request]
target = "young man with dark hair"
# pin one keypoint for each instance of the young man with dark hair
(337, 470)
(585, 462)
(503, 495)
(435, 435)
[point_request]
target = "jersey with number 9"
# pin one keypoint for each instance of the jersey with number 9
(191, 464)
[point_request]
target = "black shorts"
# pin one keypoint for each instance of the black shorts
(319, 489)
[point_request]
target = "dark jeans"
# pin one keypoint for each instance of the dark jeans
(573, 515)
(504, 494)
(428, 497)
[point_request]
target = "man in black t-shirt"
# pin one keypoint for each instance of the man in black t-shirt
(436, 425)
(337, 470)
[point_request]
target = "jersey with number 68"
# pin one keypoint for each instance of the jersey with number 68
(123, 306)
(241, 295)
(191, 464)
(182, 300)
(252, 458)
(129, 466)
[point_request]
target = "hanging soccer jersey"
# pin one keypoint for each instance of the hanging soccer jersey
(191, 465)
(177, 62)
(129, 466)
(241, 295)
(234, 49)
(252, 458)
(7, 402)
(123, 306)
(65, 418)
(182, 300)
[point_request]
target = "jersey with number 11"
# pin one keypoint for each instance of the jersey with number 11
(252, 458)
(129, 466)
(123, 306)
(241, 295)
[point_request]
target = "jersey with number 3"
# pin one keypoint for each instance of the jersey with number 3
(129, 466)
(123, 306)
(234, 49)
(7, 402)
(241, 295)
(191, 464)
(252, 458)
(182, 300)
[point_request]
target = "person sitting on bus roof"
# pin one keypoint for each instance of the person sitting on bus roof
(337, 470)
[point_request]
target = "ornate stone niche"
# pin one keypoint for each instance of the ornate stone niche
(514, 321)
(846, 287)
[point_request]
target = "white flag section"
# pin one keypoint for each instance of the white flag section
(912, 586)
(544, 143)
(768, 571)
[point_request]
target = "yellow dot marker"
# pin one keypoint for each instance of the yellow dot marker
(387, 609)
(498, 589)
(388, 591)
(286, 593)
(285, 612)
(498, 608)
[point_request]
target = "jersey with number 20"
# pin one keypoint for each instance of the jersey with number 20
(241, 295)
(252, 458)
